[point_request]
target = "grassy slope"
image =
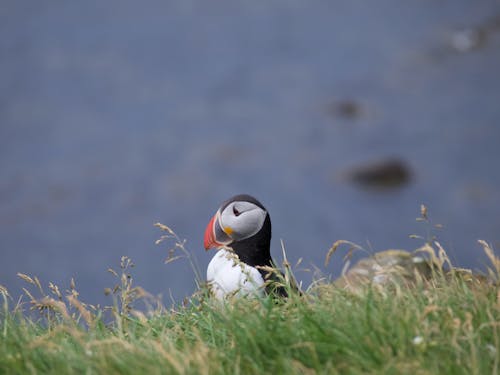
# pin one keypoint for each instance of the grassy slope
(451, 326)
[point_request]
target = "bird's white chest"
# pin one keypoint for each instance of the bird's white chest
(227, 275)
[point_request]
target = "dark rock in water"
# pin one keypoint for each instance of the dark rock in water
(346, 108)
(468, 39)
(472, 38)
(390, 173)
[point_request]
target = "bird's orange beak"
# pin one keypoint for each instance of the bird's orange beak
(215, 234)
(209, 240)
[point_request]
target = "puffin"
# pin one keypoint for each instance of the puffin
(240, 230)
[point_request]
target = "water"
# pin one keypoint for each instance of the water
(115, 116)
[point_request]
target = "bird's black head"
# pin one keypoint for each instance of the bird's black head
(243, 224)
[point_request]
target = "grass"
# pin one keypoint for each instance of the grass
(447, 324)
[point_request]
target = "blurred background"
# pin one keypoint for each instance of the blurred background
(341, 117)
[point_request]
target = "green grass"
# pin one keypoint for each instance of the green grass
(449, 324)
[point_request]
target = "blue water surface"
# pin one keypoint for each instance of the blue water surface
(116, 115)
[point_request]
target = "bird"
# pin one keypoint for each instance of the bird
(240, 230)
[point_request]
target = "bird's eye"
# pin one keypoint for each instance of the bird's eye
(235, 211)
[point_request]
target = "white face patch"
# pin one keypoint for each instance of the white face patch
(241, 220)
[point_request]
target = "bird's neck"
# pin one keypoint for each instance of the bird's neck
(255, 251)
(253, 254)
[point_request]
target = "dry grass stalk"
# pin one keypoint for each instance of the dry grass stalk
(495, 261)
(4, 291)
(179, 245)
(87, 316)
(423, 212)
(50, 304)
(55, 289)
(336, 245)
(26, 278)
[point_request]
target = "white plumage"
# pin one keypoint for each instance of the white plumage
(227, 275)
